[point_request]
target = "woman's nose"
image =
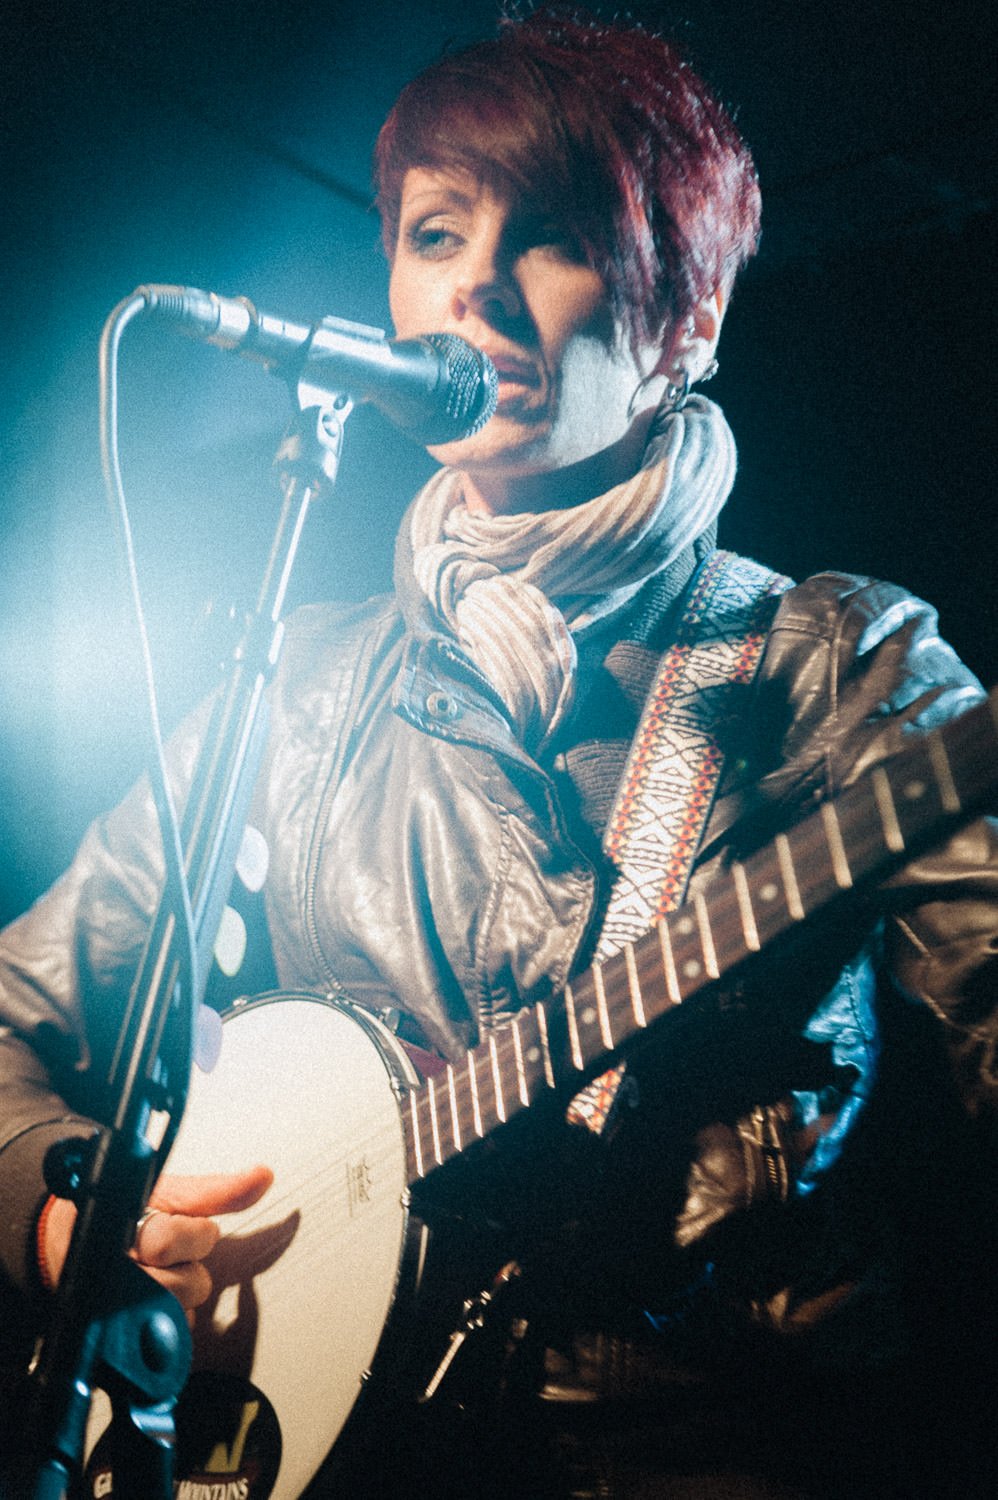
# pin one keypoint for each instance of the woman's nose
(485, 284)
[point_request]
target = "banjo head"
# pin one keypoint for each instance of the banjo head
(304, 1282)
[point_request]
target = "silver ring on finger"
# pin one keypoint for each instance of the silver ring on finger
(143, 1220)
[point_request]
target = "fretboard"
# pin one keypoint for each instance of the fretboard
(893, 811)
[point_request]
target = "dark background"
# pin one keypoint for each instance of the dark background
(226, 145)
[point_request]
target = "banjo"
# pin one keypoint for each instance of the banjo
(311, 1284)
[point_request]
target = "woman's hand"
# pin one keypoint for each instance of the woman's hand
(173, 1242)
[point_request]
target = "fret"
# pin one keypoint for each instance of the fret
(789, 876)
(573, 1028)
(476, 1109)
(745, 907)
(434, 1125)
(455, 1119)
(706, 937)
(939, 761)
(496, 1076)
(884, 798)
(416, 1136)
(542, 1031)
(836, 848)
(634, 986)
(668, 962)
(521, 1076)
(604, 1015)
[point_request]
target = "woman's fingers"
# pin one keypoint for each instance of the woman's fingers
(211, 1193)
(178, 1231)
(190, 1283)
(170, 1239)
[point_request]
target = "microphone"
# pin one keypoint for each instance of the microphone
(436, 388)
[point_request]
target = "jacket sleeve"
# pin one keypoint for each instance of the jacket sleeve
(64, 970)
(889, 676)
(852, 670)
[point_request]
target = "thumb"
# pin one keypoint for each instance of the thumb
(212, 1193)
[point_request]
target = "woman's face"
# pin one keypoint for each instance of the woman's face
(509, 281)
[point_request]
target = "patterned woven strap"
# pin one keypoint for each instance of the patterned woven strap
(675, 763)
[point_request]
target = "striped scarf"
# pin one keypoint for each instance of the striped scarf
(513, 589)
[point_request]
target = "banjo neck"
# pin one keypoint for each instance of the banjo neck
(896, 809)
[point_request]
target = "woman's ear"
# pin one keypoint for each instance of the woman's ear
(690, 353)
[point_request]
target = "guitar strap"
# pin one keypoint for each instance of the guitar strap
(675, 763)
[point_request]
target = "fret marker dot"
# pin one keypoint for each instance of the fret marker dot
(684, 926)
(914, 789)
(768, 892)
(691, 968)
(589, 1016)
(533, 1054)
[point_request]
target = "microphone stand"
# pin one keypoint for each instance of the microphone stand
(111, 1324)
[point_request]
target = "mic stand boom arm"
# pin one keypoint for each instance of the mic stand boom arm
(109, 1316)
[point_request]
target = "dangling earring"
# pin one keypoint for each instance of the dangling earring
(677, 391)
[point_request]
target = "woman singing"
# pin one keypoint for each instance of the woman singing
(752, 1261)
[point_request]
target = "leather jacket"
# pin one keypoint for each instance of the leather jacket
(420, 860)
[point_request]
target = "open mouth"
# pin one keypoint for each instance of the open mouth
(516, 374)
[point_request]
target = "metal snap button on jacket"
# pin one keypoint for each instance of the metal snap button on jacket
(442, 706)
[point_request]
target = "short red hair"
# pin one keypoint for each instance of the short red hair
(608, 128)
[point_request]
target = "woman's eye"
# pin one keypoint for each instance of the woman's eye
(430, 239)
(550, 235)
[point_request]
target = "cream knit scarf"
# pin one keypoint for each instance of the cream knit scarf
(512, 589)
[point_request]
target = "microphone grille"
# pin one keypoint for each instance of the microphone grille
(472, 389)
